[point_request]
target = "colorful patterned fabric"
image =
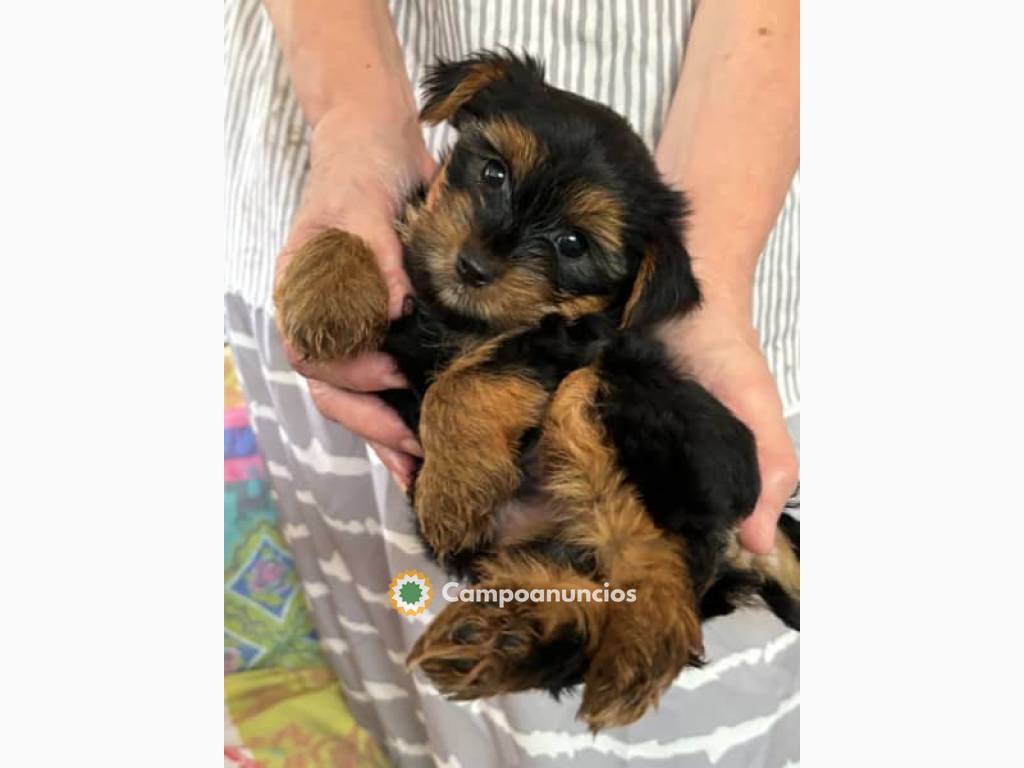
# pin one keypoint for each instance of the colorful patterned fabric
(293, 718)
(266, 621)
(283, 705)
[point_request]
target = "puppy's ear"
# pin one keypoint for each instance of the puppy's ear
(473, 87)
(665, 286)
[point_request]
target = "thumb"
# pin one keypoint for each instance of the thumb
(388, 250)
(779, 469)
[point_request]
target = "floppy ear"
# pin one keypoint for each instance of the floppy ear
(665, 286)
(456, 89)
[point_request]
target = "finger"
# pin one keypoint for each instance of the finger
(370, 372)
(399, 464)
(389, 257)
(779, 476)
(365, 415)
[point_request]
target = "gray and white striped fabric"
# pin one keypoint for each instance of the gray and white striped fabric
(347, 523)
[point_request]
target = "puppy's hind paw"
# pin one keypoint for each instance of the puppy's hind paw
(474, 650)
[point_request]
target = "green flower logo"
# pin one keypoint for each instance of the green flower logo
(410, 593)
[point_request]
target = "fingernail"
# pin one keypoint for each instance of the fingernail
(411, 446)
(395, 380)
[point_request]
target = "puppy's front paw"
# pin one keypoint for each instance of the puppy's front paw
(331, 300)
(454, 510)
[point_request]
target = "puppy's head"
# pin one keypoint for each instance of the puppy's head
(548, 202)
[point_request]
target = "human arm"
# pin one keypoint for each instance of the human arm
(731, 142)
(366, 150)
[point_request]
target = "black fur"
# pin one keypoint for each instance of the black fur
(693, 462)
(733, 588)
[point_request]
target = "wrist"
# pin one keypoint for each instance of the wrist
(388, 153)
(726, 288)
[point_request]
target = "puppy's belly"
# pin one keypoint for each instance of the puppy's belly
(528, 516)
(523, 519)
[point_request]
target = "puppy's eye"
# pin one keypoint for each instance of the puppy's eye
(493, 174)
(572, 245)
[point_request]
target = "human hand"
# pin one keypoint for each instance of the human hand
(719, 347)
(359, 172)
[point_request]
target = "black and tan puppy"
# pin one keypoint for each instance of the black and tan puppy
(541, 254)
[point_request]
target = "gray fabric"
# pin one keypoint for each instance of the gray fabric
(351, 533)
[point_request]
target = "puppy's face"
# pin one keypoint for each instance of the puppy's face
(546, 203)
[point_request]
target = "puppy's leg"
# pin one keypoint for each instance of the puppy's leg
(693, 461)
(743, 577)
(644, 644)
(331, 300)
(483, 648)
(471, 423)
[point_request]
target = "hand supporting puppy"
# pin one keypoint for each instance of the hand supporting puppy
(721, 350)
(366, 149)
(354, 184)
(732, 142)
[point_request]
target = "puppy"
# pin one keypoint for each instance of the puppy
(541, 254)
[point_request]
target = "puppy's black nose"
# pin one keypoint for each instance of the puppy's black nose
(473, 271)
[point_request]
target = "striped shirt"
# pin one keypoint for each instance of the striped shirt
(624, 54)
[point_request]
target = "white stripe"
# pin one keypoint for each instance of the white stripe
(692, 679)
(376, 692)
(407, 749)
(316, 589)
(336, 567)
(295, 531)
(385, 691)
(261, 411)
(715, 744)
(334, 645)
(278, 470)
(321, 461)
(287, 378)
(405, 542)
(778, 645)
(541, 743)
(451, 762)
(360, 627)
(241, 340)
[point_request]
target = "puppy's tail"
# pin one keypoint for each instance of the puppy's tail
(744, 578)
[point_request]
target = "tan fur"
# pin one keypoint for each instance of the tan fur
(464, 480)
(635, 649)
(519, 147)
(598, 212)
(644, 644)
(480, 649)
(781, 564)
(480, 76)
(519, 298)
(643, 276)
(331, 300)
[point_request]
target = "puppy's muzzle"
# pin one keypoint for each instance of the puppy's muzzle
(476, 269)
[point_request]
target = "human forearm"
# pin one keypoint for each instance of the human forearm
(731, 139)
(344, 57)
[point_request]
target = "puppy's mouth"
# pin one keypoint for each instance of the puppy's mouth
(514, 298)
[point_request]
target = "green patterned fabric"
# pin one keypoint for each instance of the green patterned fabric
(266, 620)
